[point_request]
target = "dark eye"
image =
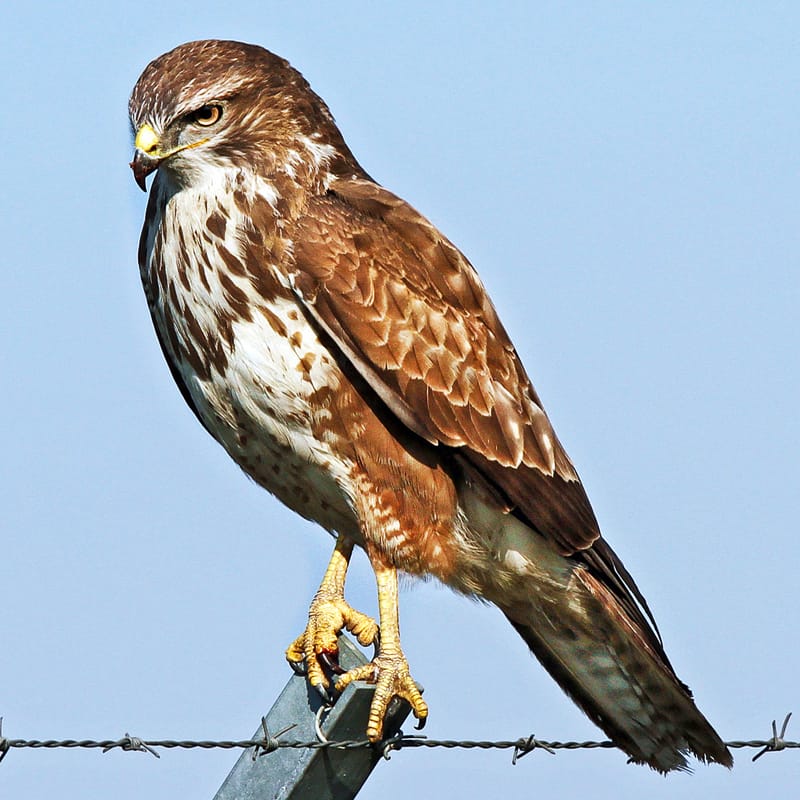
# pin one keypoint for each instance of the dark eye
(207, 115)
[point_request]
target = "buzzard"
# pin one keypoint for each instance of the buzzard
(348, 358)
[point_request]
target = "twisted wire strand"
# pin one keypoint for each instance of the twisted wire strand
(269, 743)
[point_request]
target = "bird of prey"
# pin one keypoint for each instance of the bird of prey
(348, 358)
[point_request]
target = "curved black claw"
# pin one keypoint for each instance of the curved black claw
(325, 694)
(420, 723)
(298, 667)
(330, 662)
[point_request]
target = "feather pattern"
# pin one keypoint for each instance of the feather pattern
(349, 359)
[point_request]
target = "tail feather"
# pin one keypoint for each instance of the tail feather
(611, 671)
(586, 621)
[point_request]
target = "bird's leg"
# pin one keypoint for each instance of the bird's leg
(328, 616)
(389, 669)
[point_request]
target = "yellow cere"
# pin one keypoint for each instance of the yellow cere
(146, 139)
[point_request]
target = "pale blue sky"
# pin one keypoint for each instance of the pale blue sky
(625, 179)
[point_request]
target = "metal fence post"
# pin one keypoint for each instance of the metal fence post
(313, 774)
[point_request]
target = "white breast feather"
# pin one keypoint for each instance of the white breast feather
(263, 392)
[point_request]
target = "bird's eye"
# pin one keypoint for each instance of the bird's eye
(207, 115)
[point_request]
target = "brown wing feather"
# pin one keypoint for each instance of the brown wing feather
(411, 313)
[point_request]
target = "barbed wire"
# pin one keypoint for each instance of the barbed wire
(400, 741)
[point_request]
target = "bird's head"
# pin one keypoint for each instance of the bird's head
(216, 104)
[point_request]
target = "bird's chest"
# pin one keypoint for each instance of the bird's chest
(270, 408)
(252, 366)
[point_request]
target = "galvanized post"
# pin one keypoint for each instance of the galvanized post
(321, 774)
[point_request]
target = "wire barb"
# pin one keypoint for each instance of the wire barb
(5, 745)
(525, 746)
(269, 744)
(129, 742)
(778, 742)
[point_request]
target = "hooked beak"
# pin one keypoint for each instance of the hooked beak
(142, 165)
(147, 157)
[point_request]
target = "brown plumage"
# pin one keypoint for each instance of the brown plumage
(348, 357)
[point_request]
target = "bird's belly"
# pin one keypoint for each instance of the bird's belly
(271, 410)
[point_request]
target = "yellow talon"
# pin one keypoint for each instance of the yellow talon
(391, 676)
(328, 615)
(389, 671)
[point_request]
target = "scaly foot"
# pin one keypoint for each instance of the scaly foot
(390, 674)
(317, 646)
